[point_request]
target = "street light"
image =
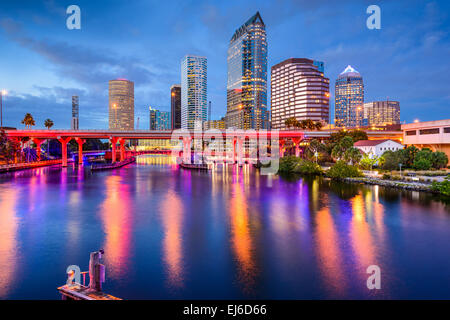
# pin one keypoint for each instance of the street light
(2, 93)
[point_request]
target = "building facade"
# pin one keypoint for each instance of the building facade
(349, 99)
(121, 105)
(376, 148)
(215, 124)
(75, 122)
(175, 106)
(194, 104)
(159, 120)
(381, 113)
(247, 77)
(299, 89)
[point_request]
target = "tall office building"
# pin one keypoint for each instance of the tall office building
(121, 105)
(349, 99)
(194, 104)
(381, 113)
(247, 77)
(175, 106)
(74, 125)
(159, 120)
(299, 89)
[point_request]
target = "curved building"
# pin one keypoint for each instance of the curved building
(349, 99)
(247, 77)
(121, 105)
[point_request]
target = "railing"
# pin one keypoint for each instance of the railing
(29, 164)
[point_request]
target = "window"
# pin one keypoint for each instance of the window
(430, 131)
(447, 130)
(411, 133)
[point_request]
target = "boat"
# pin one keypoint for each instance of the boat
(200, 166)
(111, 166)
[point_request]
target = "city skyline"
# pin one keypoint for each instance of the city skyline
(42, 81)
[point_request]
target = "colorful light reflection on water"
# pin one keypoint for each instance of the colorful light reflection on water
(228, 233)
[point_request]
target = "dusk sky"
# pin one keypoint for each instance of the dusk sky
(42, 63)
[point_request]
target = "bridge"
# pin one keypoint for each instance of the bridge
(119, 137)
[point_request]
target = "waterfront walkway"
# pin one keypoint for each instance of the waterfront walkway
(28, 165)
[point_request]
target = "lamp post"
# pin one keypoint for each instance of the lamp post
(2, 93)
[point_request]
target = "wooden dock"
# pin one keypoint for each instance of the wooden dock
(80, 292)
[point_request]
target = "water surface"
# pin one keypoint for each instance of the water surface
(227, 234)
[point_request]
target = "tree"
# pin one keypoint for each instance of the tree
(407, 155)
(48, 123)
(439, 160)
(319, 125)
(423, 159)
(9, 149)
(313, 147)
(391, 160)
(28, 121)
(341, 147)
(352, 155)
(368, 162)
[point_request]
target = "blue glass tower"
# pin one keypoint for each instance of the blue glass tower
(349, 99)
(247, 77)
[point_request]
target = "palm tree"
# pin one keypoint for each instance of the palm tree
(318, 125)
(290, 122)
(48, 123)
(28, 121)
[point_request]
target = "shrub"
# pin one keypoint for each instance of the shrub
(288, 164)
(442, 187)
(387, 176)
(342, 170)
(439, 159)
(308, 167)
(422, 164)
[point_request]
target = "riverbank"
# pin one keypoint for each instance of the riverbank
(28, 165)
(414, 186)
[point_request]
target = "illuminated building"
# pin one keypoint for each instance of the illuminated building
(299, 89)
(75, 113)
(159, 120)
(194, 105)
(382, 113)
(175, 106)
(247, 77)
(121, 105)
(214, 124)
(349, 99)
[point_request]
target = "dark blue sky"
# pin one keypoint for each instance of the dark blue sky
(42, 63)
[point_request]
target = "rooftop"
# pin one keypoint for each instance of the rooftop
(349, 72)
(370, 143)
(242, 29)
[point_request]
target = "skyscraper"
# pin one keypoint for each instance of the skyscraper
(75, 113)
(159, 120)
(247, 76)
(175, 106)
(382, 113)
(121, 105)
(299, 89)
(349, 99)
(194, 105)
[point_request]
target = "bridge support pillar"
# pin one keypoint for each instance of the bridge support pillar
(297, 146)
(187, 149)
(282, 143)
(64, 142)
(38, 147)
(122, 149)
(113, 141)
(80, 150)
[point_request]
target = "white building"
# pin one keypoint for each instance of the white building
(377, 147)
(194, 105)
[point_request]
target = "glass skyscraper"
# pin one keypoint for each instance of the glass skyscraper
(194, 104)
(175, 106)
(382, 113)
(159, 120)
(349, 99)
(247, 77)
(121, 105)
